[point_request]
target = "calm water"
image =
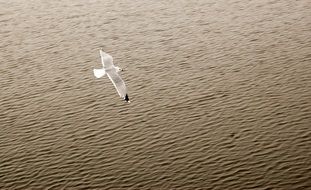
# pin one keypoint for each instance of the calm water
(220, 91)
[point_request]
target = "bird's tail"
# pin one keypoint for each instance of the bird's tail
(99, 72)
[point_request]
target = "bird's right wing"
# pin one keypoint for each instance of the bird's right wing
(107, 60)
(117, 82)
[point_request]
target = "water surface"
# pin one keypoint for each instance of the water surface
(220, 92)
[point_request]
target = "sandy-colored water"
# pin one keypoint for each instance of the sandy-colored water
(220, 91)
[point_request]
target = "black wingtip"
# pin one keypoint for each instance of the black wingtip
(126, 98)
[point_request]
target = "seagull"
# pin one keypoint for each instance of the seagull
(112, 71)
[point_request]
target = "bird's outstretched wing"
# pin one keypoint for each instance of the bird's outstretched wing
(118, 83)
(107, 60)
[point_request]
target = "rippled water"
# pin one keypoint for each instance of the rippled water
(220, 91)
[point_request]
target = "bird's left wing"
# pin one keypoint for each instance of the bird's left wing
(107, 60)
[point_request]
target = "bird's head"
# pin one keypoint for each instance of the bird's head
(119, 69)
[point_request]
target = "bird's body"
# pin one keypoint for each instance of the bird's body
(111, 71)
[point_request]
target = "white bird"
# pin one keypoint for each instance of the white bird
(112, 72)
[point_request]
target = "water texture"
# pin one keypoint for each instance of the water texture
(220, 92)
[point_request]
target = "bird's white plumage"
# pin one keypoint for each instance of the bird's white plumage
(117, 82)
(99, 72)
(112, 72)
(107, 60)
